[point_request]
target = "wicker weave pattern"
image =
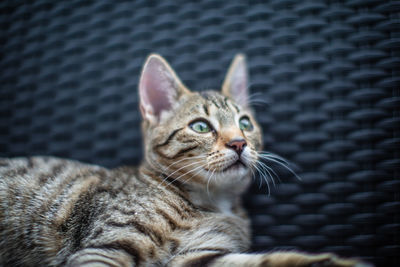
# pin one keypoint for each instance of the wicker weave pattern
(327, 69)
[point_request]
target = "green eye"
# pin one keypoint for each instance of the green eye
(200, 127)
(245, 124)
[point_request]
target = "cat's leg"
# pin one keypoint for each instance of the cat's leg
(96, 257)
(276, 259)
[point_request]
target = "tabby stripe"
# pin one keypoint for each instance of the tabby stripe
(124, 211)
(18, 171)
(236, 107)
(50, 205)
(177, 209)
(115, 259)
(183, 151)
(73, 195)
(204, 260)
(174, 245)
(172, 223)
(141, 177)
(224, 102)
(126, 246)
(97, 233)
(62, 192)
(169, 138)
(155, 237)
(188, 141)
(211, 250)
(107, 263)
(206, 110)
(173, 181)
(177, 190)
(54, 172)
(215, 103)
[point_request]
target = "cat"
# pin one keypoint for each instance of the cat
(180, 207)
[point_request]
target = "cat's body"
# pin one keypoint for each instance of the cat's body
(54, 208)
(181, 207)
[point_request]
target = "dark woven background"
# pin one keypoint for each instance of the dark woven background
(328, 69)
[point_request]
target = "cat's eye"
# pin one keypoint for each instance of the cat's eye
(200, 127)
(245, 124)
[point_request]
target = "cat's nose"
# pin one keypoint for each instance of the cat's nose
(237, 144)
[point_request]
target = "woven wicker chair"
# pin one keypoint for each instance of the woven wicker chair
(325, 85)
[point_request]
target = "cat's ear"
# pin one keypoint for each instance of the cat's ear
(235, 84)
(159, 88)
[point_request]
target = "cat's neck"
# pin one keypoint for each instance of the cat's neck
(217, 201)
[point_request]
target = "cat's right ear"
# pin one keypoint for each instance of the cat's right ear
(235, 83)
(159, 88)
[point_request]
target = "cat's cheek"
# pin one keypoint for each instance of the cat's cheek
(256, 140)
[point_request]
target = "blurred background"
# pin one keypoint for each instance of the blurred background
(325, 76)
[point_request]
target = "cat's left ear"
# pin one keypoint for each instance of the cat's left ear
(235, 85)
(159, 88)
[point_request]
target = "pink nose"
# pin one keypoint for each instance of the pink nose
(237, 144)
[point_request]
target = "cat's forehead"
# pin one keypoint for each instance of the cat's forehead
(220, 106)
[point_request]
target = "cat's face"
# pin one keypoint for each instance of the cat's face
(207, 139)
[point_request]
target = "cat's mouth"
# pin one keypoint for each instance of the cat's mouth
(235, 166)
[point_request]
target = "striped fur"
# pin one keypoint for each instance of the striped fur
(180, 207)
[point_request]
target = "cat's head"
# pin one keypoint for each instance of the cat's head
(208, 139)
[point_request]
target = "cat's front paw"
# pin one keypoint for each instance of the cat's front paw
(298, 259)
(331, 260)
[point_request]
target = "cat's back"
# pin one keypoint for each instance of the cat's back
(50, 208)
(40, 198)
(34, 186)
(27, 183)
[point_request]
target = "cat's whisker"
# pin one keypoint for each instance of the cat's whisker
(286, 167)
(251, 167)
(254, 94)
(193, 175)
(280, 161)
(267, 177)
(254, 165)
(272, 155)
(253, 175)
(186, 158)
(269, 170)
(258, 100)
(208, 178)
(187, 180)
(183, 167)
(257, 103)
(184, 174)
(263, 175)
(264, 170)
(254, 99)
(208, 182)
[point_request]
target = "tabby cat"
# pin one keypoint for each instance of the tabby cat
(180, 207)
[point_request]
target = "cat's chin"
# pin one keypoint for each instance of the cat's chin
(236, 171)
(235, 175)
(237, 166)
